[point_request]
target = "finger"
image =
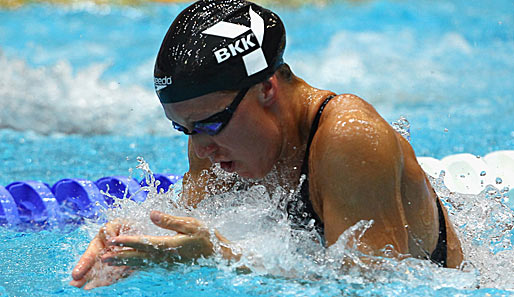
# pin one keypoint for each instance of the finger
(97, 283)
(226, 248)
(186, 225)
(88, 259)
(129, 258)
(141, 243)
(106, 279)
(78, 283)
(101, 282)
(149, 243)
(112, 229)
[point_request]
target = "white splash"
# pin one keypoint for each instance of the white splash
(485, 225)
(55, 99)
(402, 126)
(252, 220)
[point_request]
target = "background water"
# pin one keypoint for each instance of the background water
(77, 101)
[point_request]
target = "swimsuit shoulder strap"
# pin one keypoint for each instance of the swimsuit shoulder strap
(301, 211)
(314, 128)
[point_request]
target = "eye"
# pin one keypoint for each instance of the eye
(209, 127)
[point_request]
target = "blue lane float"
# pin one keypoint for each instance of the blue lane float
(120, 186)
(82, 197)
(9, 214)
(35, 204)
(165, 181)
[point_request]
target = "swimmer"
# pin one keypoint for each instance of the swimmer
(221, 79)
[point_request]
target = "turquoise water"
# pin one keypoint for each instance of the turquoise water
(77, 97)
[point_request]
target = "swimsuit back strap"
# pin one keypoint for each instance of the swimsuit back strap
(440, 254)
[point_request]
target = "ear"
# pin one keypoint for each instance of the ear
(268, 92)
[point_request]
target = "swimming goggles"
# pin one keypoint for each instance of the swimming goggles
(215, 123)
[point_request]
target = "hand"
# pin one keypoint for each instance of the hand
(192, 242)
(89, 269)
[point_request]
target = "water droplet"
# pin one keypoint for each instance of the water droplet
(498, 181)
(402, 126)
(482, 173)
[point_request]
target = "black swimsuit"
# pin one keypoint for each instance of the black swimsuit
(440, 254)
(302, 215)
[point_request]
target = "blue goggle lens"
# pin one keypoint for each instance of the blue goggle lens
(207, 128)
(182, 129)
(215, 123)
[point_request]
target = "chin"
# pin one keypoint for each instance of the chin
(246, 174)
(255, 172)
(251, 174)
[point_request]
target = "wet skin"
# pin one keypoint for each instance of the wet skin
(359, 169)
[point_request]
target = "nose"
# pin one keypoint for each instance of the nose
(203, 146)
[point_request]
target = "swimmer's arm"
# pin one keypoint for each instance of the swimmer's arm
(359, 166)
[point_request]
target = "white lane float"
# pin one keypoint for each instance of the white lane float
(469, 174)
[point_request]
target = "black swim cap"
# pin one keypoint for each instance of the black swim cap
(217, 45)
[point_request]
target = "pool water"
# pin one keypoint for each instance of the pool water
(77, 101)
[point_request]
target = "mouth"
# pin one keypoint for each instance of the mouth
(228, 166)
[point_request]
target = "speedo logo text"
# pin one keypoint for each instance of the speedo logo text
(162, 82)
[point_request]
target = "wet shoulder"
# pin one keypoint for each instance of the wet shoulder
(345, 103)
(351, 126)
(347, 112)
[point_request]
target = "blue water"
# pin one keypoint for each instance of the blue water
(29, 156)
(77, 97)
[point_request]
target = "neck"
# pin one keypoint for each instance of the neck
(297, 104)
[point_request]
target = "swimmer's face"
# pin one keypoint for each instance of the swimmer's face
(249, 144)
